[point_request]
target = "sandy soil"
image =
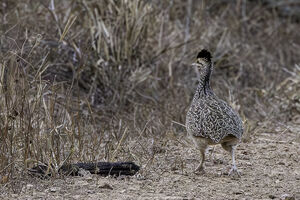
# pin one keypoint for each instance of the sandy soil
(268, 162)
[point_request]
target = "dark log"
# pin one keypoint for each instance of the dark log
(101, 168)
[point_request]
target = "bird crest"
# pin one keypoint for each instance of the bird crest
(203, 55)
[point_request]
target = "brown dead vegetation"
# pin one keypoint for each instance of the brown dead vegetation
(110, 80)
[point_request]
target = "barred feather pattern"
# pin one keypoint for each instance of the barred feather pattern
(209, 116)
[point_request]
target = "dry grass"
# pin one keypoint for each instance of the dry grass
(105, 80)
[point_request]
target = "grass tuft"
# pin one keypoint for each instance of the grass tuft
(110, 80)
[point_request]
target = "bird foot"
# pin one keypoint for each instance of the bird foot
(234, 171)
(199, 170)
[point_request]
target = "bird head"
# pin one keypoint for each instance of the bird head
(203, 59)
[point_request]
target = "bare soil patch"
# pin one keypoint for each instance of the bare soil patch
(269, 164)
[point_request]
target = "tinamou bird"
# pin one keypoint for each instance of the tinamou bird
(210, 120)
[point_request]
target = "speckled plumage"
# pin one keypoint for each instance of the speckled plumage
(211, 120)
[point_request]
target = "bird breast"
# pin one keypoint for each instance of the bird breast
(212, 118)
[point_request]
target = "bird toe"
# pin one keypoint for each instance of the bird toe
(199, 170)
(234, 171)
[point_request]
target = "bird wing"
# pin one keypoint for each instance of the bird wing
(217, 120)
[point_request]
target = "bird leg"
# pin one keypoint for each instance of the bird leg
(233, 168)
(200, 167)
(230, 147)
(201, 145)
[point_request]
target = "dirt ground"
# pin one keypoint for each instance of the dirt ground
(268, 162)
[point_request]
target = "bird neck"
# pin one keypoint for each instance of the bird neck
(204, 81)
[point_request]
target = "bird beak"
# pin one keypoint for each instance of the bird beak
(195, 64)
